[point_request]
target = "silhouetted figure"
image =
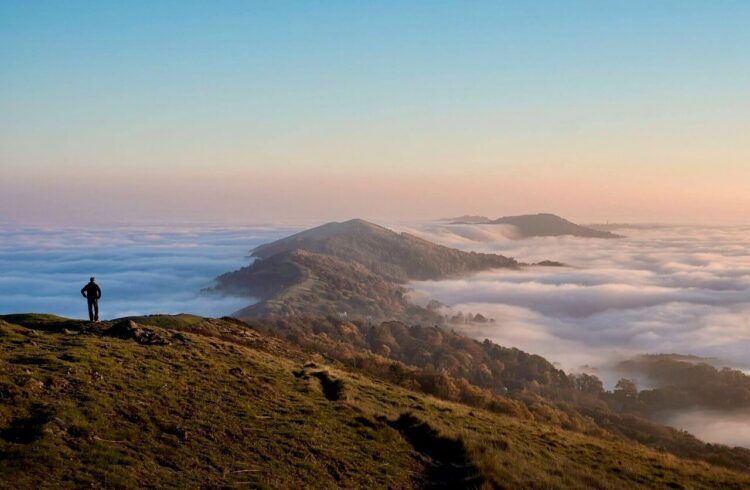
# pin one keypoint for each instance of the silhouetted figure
(92, 293)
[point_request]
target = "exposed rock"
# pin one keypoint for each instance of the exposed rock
(128, 329)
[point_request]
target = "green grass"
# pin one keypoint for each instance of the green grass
(224, 406)
(169, 321)
(32, 318)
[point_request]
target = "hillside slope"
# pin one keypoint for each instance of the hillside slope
(299, 282)
(399, 257)
(355, 267)
(187, 402)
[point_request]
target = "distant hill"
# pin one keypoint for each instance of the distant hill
(396, 256)
(627, 226)
(468, 219)
(678, 381)
(299, 282)
(189, 402)
(355, 267)
(544, 224)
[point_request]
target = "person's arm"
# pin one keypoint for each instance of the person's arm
(98, 292)
(83, 292)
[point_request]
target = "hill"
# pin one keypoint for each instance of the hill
(399, 257)
(442, 363)
(183, 401)
(298, 282)
(468, 219)
(686, 381)
(544, 224)
(355, 267)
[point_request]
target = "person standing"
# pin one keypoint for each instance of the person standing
(92, 292)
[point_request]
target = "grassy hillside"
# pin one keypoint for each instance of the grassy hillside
(355, 267)
(186, 402)
(304, 283)
(398, 257)
(450, 366)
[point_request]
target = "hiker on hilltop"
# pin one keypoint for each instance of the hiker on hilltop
(92, 292)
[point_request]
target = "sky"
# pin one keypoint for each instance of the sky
(255, 112)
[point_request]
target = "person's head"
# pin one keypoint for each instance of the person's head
(92, 279)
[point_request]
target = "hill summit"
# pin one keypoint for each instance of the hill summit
(396, 256)
(353, 266)
(541, 225)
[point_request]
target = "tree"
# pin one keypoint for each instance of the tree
(588, 383)
(626, 389)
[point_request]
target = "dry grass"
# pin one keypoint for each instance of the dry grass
(221, 406)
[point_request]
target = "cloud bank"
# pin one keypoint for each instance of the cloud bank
(661, 290)
(141, 270)
(666, 289)
(732, 429)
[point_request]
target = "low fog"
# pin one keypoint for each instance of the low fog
(141, 270)
(679, 290)
(730, 428)
(661, 289)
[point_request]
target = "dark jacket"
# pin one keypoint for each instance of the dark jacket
(91, 291)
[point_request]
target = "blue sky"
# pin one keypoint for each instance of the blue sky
(174, 98)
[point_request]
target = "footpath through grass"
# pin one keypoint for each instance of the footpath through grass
(187, 402)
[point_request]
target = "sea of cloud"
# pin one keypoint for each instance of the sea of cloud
(141, 270)
(730, 428)
(662, 289)
(678, 289)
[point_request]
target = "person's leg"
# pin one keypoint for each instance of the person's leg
(96, 310)
(91, 311)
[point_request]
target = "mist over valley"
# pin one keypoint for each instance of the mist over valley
(666, 289)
